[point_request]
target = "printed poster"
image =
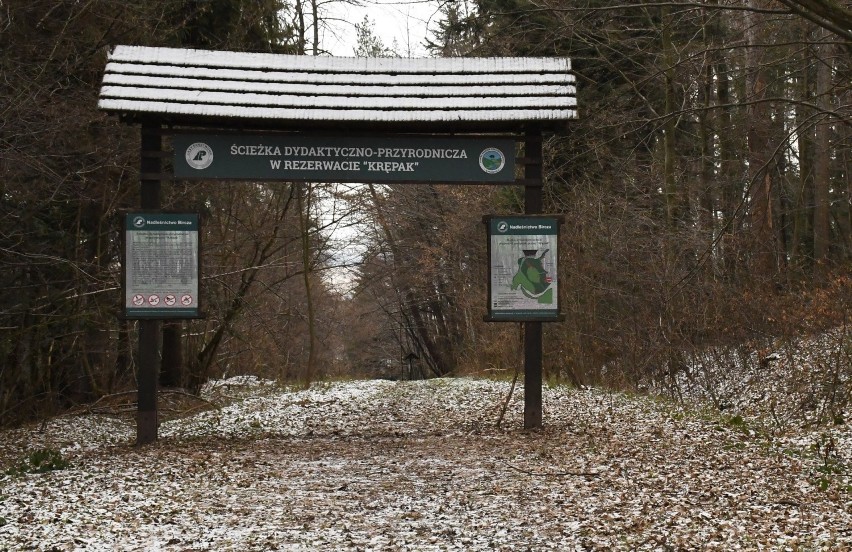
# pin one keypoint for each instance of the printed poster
(161, 265)
(523, 260)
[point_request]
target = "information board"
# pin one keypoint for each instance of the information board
(161, 265)
(523, 284)
(351, 158)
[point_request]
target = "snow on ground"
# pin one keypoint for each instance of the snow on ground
(803, 381)
(380, 465)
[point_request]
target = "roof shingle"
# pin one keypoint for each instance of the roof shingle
(182, 86)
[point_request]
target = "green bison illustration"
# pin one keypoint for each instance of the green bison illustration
(532, 278)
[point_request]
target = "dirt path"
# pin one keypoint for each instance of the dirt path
(419, 466)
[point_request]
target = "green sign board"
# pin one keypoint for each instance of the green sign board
(523, 284)
(315, 158)
(161, 265)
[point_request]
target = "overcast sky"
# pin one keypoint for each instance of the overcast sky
(403, 20)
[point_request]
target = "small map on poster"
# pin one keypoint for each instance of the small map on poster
(161, 265)
(523, 259)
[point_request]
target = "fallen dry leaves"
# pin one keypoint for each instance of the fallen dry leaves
(378, 465)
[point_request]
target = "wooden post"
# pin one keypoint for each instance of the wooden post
(148, 371)
(533, 330)
(171, 369)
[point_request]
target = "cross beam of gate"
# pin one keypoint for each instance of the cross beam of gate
(177, 92)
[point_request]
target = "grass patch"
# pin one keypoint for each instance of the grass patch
(39, 461)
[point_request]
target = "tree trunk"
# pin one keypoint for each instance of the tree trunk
(760, 157)
(822, 163)
(802, 199)
(731, 190)
(844, 159)
(670, 124)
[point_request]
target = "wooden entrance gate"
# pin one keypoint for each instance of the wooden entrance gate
(437, 107)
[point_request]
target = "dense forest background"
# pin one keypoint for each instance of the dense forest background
(706, 190)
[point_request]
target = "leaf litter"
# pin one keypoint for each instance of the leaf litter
(381, 465)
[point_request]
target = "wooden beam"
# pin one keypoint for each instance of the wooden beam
(147, 419)
(533, 199)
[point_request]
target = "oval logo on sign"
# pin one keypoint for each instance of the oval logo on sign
(492, 160)
(199, 155)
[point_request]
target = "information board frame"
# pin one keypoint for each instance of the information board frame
(520, 249)
(161, 282)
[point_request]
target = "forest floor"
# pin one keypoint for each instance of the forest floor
(381, 465)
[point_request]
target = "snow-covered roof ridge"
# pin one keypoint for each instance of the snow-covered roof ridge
(190, 86)
(265, 61)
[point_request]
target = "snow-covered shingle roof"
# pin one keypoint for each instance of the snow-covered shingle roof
(181, 85)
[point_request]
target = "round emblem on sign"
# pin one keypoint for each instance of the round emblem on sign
(199, 155)
(502, 226)
(138, 222)
(492, 160)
